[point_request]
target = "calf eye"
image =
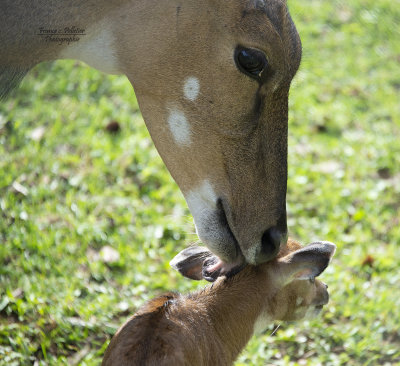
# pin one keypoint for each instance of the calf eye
(250, 61)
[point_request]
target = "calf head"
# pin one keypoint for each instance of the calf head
(288, 284)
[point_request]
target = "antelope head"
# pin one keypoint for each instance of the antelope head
(213, 89)
(285, 288)
(212, 81)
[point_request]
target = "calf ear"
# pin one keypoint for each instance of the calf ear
(189, 262)
(307, 262)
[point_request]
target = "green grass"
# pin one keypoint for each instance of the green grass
(84, 188)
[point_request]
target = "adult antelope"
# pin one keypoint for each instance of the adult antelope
(212, 80)
(212, 326)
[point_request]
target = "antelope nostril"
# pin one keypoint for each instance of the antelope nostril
(270, 244)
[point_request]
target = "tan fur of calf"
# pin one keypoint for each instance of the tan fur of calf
(212, 326)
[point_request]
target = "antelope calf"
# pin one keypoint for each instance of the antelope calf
(212, 326)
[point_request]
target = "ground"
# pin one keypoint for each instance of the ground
(90, 216)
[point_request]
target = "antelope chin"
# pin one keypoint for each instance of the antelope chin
(313, 312)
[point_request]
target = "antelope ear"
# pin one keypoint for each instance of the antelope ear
(307, 262)
(189, 262)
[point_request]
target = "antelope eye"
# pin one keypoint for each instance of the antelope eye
(251, 61)
(312, 280)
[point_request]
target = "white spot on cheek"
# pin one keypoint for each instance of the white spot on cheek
(191, 88)
(262, 323)
(179, 127)
(299, 300)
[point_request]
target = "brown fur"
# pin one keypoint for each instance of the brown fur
(238, 125)
(212, 326)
